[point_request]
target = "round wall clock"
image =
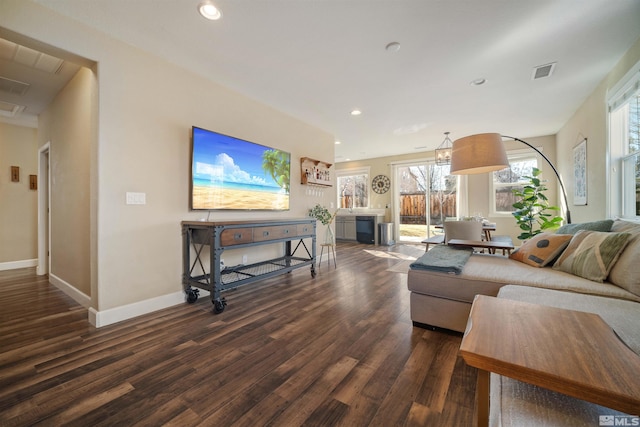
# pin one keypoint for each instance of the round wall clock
(381, 184)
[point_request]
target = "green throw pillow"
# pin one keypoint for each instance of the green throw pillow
(603, 225)
(592, 254)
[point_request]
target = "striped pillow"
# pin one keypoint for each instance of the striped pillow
(592, 254)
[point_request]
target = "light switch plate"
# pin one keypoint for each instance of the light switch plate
(136, 198)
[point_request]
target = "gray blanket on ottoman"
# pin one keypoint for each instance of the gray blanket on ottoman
(447, 259)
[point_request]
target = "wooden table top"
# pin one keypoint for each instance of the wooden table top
(492, 244)
(571, 352)
(489, 227)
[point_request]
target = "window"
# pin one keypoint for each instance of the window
(506, 180)
(631, 159)
(624, 147)
(353, 188)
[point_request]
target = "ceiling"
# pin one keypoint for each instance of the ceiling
(29, 81)
(317, 60)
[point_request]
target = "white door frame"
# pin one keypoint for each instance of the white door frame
(44, 217)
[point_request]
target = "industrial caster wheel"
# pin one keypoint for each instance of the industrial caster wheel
(219, 305)
(192, 295)
(313, 272)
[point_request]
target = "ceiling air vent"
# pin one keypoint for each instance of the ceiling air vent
(13, 86)
(542, 71)
(8, 109)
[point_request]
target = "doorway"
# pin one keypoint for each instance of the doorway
(425, 195)
(44, 222)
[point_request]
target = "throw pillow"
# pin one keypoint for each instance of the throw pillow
(602, 225)
(592, 254)
(541, 249)
(626, 271)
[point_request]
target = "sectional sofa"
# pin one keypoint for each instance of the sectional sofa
(592, 267)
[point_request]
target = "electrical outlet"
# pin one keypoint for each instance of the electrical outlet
(244, 259)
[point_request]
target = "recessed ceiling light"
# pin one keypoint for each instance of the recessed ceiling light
(338, 142)
(478, 82)
(356, 112)
(209, 10)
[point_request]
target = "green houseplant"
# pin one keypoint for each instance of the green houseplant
(323, 215)
(532, 208)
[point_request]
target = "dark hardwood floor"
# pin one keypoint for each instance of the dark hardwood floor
(336, 350)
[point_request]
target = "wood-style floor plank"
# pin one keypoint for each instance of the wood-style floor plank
(335, 350)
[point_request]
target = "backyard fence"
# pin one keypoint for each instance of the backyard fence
(413, 207)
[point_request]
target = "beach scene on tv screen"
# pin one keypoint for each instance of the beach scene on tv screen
(230, 173)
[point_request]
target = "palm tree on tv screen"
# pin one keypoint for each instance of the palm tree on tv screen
(276, 163)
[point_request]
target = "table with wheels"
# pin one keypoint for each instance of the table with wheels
(205, 272)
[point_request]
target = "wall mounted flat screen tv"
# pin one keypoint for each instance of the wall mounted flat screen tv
(230, 173)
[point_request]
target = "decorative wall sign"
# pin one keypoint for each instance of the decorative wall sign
(580, 173)
(381, 184)
(33, 182)
(15, 174)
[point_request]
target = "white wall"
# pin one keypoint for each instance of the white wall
(145, 111)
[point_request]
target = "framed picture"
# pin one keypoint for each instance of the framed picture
(580, 173)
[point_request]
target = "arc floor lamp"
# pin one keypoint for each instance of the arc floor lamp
(485, 153)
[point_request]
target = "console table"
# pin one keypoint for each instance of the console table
(571, 352)
(219, 236)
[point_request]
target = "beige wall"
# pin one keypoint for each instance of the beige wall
(18, 204)
(590, 121)
(146, 107)
(478, 186)
(67, 125)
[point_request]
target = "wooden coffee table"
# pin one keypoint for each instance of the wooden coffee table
(487, 244)
(571, 352)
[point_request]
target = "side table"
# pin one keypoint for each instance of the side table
(528, 342)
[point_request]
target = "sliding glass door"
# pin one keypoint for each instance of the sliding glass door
(425, 195)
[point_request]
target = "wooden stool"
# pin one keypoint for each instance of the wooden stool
(330, 248)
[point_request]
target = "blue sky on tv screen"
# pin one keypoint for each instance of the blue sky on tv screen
(220, 159)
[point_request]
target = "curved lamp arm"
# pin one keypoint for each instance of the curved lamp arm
(564, 192)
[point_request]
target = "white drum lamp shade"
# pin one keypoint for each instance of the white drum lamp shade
(479, 153)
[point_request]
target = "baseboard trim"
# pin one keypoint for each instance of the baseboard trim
(78, 296)
(14, 265)
(118, 314)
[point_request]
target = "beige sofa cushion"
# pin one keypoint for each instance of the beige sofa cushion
(601, 225)
(485, 274)
(626, 271)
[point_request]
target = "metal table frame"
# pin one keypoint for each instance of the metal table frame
(220, 236)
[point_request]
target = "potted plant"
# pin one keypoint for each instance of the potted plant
(323, 215)
(532, 210)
